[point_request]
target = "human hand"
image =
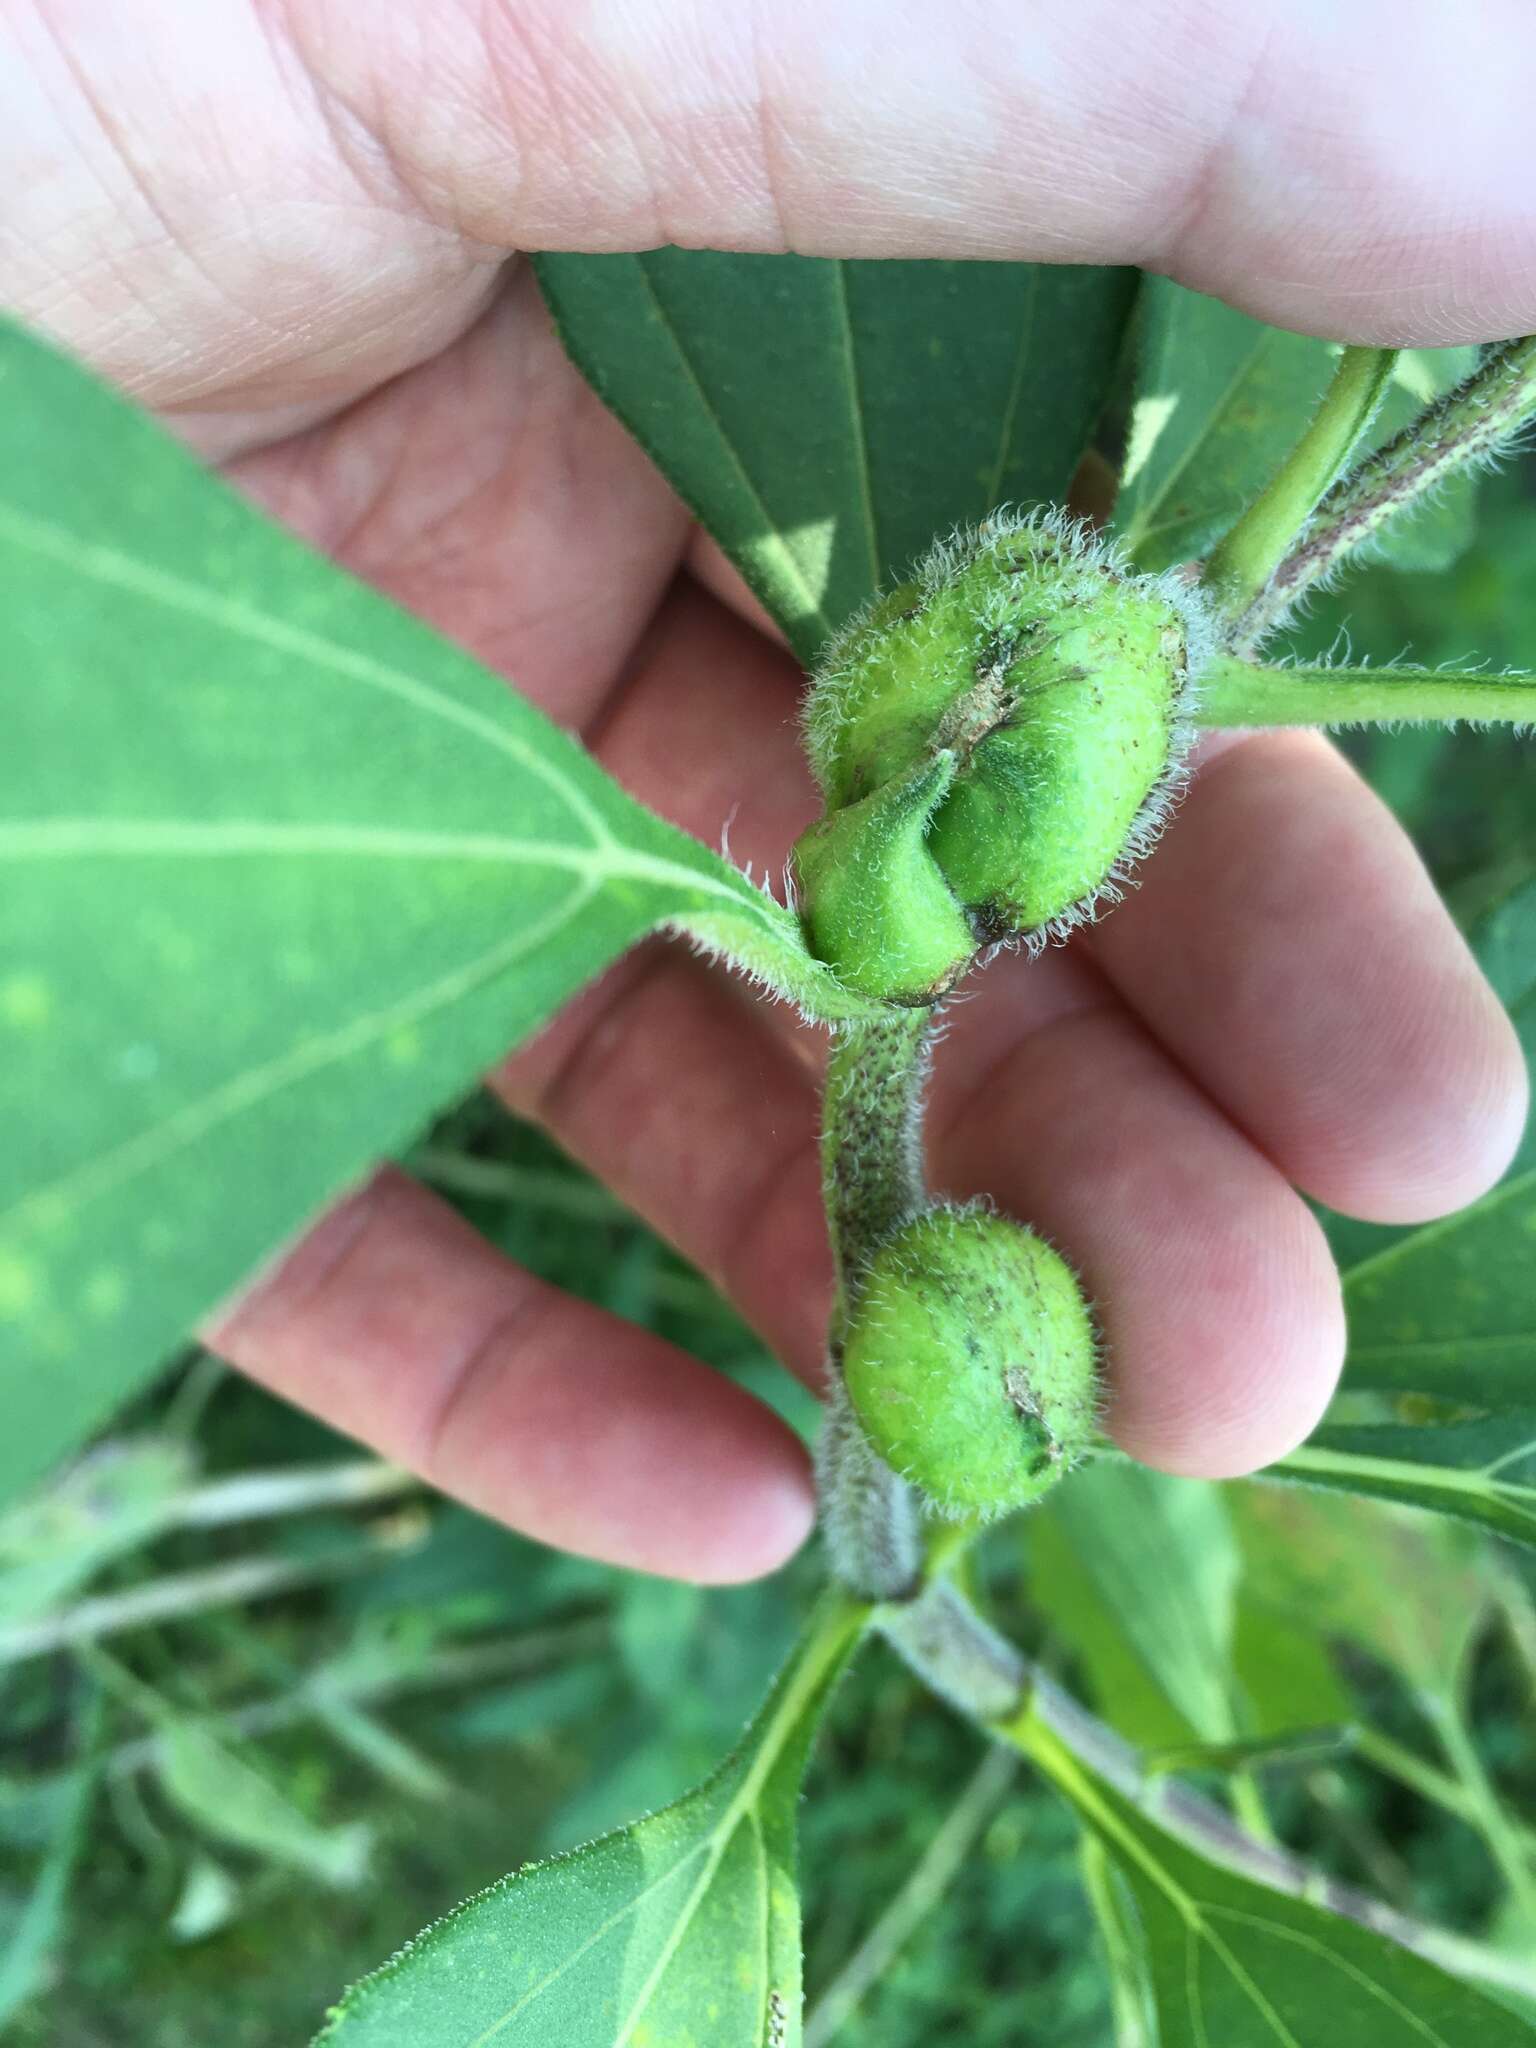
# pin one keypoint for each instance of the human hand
(287, 229)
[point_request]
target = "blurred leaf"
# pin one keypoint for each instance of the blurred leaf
(1234, 1963)
(1284, 1672)
(1137, 1572)
(235, 1803)
(286, 872)
(825, 419)
(684, 1927)
(470, 1574)
(511, 1713)
(655, 1625)
(34, 1934)
(209, 1900)
(373, 1742)
(1406, 1586)
(111, 1502)
(1220, 399)
(1482, 1472)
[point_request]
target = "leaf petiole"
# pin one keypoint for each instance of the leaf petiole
(1241, 565)
(1241, 693)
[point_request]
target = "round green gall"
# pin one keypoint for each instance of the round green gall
(1055, 680)
(970, 1361)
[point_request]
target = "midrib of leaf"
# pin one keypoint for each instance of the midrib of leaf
(1015, 385)
(158, 586)
(150, 1147)
(1151, 528)
(547, 1982)
(175, 838)
(1427, 1350)
(1478, 1480)
(1431, 1233)
(717, 1845)
(772, 540)
(860, 431)
(826, 1642)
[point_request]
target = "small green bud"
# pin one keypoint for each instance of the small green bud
(877, 905)
(1056, 679)
(970, 1360)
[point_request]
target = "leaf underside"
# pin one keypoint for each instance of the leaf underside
(825, 419)
(285, 872)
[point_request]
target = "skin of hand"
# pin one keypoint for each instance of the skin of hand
(291, 228)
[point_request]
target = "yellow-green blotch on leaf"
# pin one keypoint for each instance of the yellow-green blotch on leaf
(970, 1361)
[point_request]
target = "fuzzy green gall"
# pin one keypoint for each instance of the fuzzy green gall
(1053, 682)
(970, 1361)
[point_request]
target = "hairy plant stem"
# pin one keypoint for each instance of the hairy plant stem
(872, 1182)
(1237, 693)
(962, 1658)
(1242, 564)
(1468, 425)
(872, 1139)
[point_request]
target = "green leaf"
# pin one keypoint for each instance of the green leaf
(1220, 400)
(1407, 1587)
(284, 872)
(108, 1504)
(1286, 1675)
(1236, 1965)
(824, 419)
(682, 1928)
(655, 1626)
(1137, 1572)
(1483, 1471)
(35, 1931)
(223, 1794)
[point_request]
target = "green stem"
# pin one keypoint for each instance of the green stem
(1394, 1760)
(1237, 693)
(1242, 564)
(1468, 425)
(1486, 1807)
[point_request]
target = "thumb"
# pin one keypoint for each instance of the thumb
(1356, 171)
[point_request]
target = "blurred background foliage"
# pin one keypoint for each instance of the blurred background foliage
(251, 1739)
